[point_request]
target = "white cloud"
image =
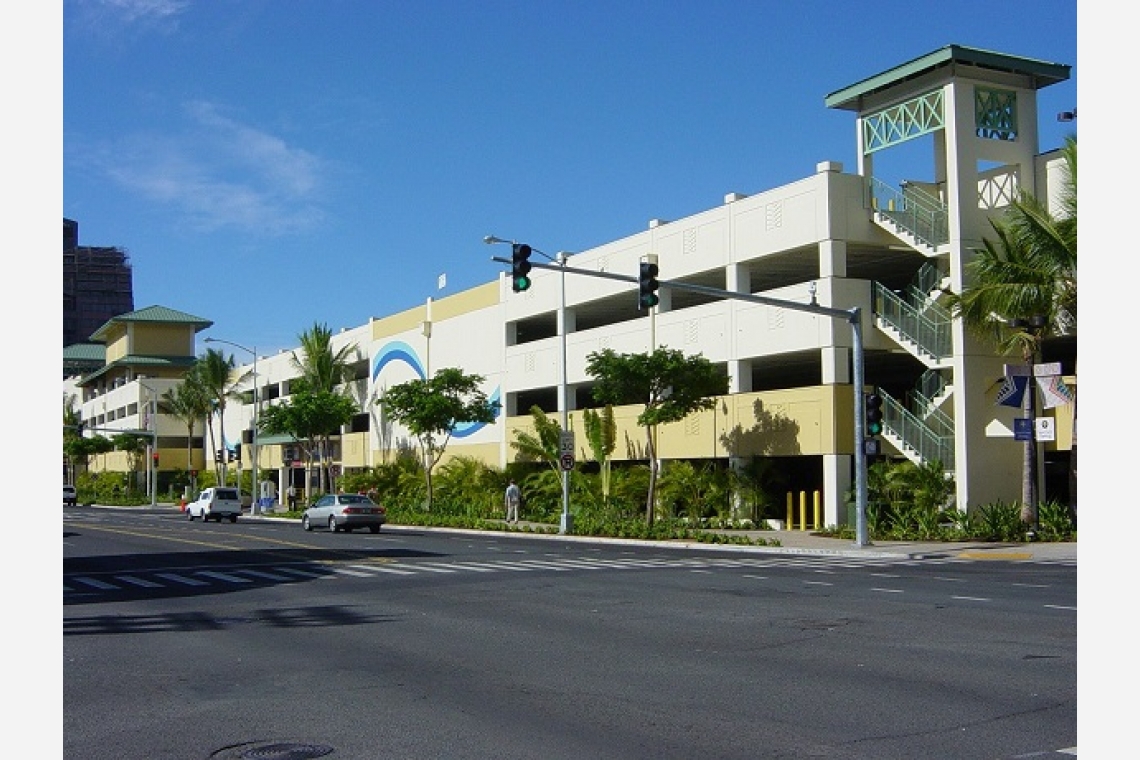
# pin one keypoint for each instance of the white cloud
(217, 173)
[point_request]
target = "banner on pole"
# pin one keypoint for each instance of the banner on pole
(1012, 391)
(1054, 392)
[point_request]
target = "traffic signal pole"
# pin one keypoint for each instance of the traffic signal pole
(852, 316)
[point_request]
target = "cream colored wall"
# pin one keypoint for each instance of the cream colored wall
(161, 340)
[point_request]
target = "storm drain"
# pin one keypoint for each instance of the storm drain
(276, 751)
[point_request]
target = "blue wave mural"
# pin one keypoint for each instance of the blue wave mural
(400, 352)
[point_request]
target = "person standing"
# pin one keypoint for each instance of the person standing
(512, 498)
(292, 492)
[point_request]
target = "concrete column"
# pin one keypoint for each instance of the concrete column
(837, 481)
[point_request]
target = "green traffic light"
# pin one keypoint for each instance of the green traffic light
(520, 284)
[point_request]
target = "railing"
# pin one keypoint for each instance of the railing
(928, 328)
(926, 280)
(914, 210)
(925, 442)
(931, 384)
(937, 420)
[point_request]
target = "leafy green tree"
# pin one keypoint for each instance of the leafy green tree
(214, 370)
(72, 421)
(134, 445)
(1026, 273)
(544, 445)
(431, 409)
(308, 416)
(669, 384)
(601, 434)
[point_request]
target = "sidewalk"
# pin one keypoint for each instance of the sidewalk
(790, 542)
(806, 542)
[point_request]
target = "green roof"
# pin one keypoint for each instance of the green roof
(85, 352)
(140, 361)
(154, 315)
(1040, 73)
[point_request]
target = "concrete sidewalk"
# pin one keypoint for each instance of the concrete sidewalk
(790, 542)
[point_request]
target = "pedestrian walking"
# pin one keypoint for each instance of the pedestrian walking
(512, 498)
(292, 492)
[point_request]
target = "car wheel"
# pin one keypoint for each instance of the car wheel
(374, 528)
(332, 525)
(190, 515)
(233, 518)
(305, 523)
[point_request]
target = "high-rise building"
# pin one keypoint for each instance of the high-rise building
(97, 285)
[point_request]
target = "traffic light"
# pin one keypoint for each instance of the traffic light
(873, 411)
(155, 457)
(647, 286)
(237, 451)
(220, 456)
(520, 267)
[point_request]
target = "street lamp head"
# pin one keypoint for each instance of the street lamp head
(491, 240)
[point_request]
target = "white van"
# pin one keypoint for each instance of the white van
(214, 504)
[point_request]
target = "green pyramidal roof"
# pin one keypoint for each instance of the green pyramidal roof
(153, 314)
(1040, 73)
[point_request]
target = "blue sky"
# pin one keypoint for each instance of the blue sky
(271, 165)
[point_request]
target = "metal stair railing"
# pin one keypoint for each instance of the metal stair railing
(931, 384)
(934, 418)
(914, 210)
(929, 331)
(927, 445)
(927, 280)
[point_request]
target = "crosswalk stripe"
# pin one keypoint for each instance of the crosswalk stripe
(138, 581)
(223, 576)
(463, 566)
(182, 579)
(306, 573)
(502, 566)
(382, 569)
(353, 573)
(103, 585)
(267, 576)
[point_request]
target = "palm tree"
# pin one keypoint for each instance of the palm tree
(188, 402)
(1023, 290)
(323, 370)
(213, 371)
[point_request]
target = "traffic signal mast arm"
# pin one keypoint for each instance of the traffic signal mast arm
(848, 314)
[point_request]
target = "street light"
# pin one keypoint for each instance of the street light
(255, 488)
(567, 523)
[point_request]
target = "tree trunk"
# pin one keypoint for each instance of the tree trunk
(1029, 459)
(651, 497)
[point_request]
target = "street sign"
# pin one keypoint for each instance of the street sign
(1022, 429)
(567, 461)
(1046, 430)
(566, 442)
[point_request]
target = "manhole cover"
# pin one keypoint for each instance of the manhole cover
(274, 751)
(286, 751)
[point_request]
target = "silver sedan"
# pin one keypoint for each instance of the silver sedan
(344, 511)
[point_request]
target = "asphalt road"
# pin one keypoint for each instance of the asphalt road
(187, 640)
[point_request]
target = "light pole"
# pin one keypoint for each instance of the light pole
(255, 487)
(567, 522)
(152, 429)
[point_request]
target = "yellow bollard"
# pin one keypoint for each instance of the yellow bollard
(817, 510)
(791, 514)
(803, 510)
